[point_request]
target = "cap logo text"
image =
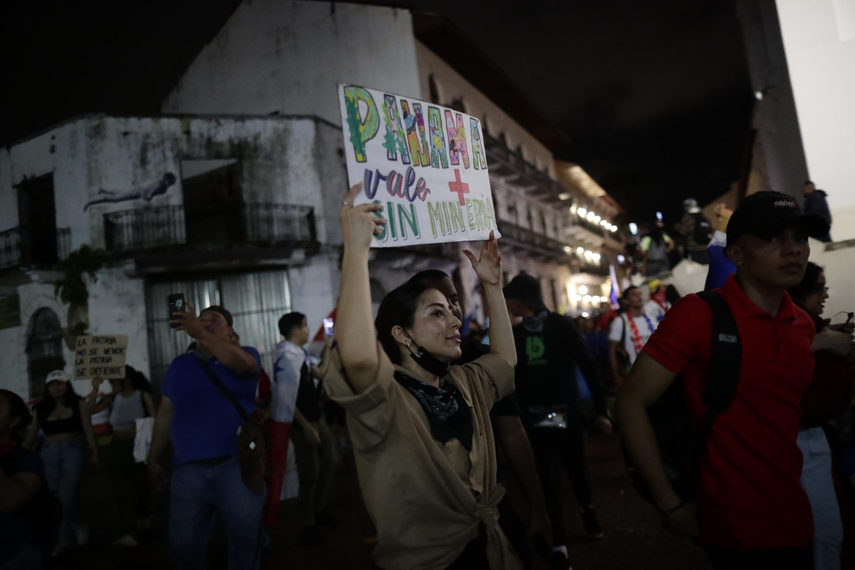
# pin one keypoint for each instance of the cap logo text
(785, 204)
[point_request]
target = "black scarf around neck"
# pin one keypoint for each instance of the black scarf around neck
(445, 408)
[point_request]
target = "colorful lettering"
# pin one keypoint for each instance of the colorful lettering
(361, 130)
(478, 154)
(394, 140)
(411, 219)
(436, 215)
(438, 151)
(457, 148)
(417, 152)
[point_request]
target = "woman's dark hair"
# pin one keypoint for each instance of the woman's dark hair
(627, 291)
(671, 294)
(655, 233)
(138, 379)
(398, 308)
(808, 284)
(47, 405)
(430, 275)
(18, 409)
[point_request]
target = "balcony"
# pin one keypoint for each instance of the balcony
(534, 244)
(175, 229)
(20, 247)
(511, 165)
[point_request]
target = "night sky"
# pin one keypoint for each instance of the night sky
(653, 96)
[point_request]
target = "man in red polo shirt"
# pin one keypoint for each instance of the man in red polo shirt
(751, 510)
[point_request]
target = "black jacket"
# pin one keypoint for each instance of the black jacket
(815, 203)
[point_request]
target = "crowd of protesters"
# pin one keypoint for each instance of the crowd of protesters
(439, 422)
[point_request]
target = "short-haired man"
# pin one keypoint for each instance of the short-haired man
(549, 348)
(751, 509)
(628, 334)
(816, 203)
(202, 425)
(314, 446)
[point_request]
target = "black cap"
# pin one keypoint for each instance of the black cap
(767, 214)
(222, 311)
(525, 288)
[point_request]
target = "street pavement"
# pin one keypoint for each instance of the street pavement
(634, 537)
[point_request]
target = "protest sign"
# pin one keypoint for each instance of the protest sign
(100, 355)
(425, 164)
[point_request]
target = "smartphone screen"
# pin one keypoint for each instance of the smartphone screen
(176, 304)
(328, 327)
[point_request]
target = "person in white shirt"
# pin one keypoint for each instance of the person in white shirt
(628, 334)
(658, 305)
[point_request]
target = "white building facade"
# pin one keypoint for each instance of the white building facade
(232, 196)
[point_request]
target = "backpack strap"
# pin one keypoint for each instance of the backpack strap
(725, 364)
(222, 388)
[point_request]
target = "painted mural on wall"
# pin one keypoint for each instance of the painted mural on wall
(424, 163)
(147, 192)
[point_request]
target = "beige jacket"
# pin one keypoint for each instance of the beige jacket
(426, 499)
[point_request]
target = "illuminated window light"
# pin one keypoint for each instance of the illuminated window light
(573, 209)
(564, 196)
(614, 229)
(582, 212)
(633, 228)
(567, 249)
(577, 298)
(585, 315)
(590, 216)
(596, 299)
(621, 259)
(589, 255)
(583, 289)
(597, 219)
(586, 299)
(596, 257)
(580, 250)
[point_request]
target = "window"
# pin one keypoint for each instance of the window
(213, 201)
(37, 221)
(44, 349)
(434, 90)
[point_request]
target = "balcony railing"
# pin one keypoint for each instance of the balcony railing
(222, 227)
(20, 246)
(533, 240)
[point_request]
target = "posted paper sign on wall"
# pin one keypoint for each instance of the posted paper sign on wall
(425, 164)
(100, 355)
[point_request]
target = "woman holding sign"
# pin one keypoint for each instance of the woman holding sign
(63, 417)
(420, 427)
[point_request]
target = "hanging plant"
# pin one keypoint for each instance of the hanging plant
(71, 289)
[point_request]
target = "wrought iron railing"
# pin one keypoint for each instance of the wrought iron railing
(19, 247)
(226, 226)
(10, 248)
(533, 239)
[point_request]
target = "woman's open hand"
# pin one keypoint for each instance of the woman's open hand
(489, 266)
(359, 225)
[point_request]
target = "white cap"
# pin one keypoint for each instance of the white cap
(56, 376)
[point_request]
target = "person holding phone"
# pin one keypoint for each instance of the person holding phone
(63, 417)
(420, 428)
(202, 425)
(298, 396)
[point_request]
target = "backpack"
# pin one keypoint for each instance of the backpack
(703, 230)
(680, 446)
(658, 251)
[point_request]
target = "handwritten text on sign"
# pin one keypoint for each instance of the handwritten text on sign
(425, 164)
(100, 355)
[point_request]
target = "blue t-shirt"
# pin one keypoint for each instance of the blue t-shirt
(204, 422)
